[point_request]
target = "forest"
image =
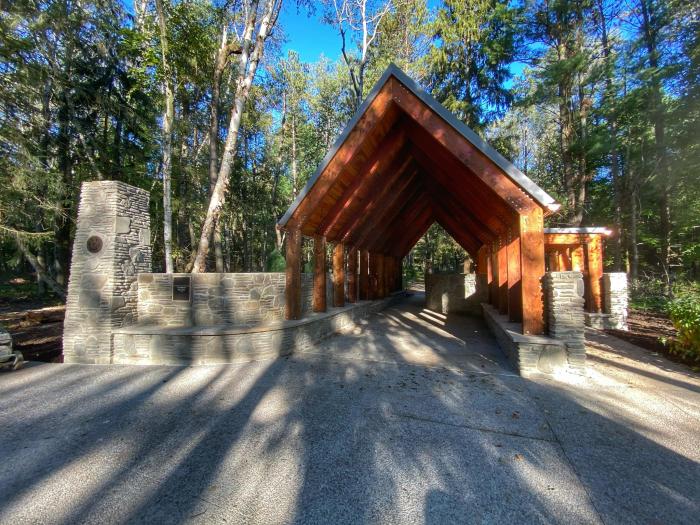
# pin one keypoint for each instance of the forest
(205, 105)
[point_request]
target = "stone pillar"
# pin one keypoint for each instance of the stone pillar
(565, 320)
(615, 299)
(112, 245)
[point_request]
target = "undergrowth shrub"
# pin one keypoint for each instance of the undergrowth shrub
(684, 312)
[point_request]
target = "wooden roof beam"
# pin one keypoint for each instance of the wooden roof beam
(404, 225)
(376, 236)
(331, 168)
(467, 153)
(381, 160)
(374, 199)
(463, 214)
(456, 179)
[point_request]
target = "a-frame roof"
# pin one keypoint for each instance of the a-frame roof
(404, 162)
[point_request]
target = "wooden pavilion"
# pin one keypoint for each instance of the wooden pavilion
(401, 164)
(580, 250)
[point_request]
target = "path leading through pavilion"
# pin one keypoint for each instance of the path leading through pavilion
(411, 418)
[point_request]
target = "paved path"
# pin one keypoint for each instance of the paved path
(411, 418)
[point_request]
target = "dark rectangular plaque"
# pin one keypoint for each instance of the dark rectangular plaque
(181, 288)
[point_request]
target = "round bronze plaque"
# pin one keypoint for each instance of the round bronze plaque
(94, 244)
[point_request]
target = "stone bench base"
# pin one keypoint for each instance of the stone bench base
(200, 345)
(530, 354)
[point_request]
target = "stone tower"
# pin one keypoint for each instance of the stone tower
(112, 245)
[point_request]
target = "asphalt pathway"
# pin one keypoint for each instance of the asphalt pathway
(412, 417)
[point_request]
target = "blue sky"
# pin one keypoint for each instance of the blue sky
(307, 35)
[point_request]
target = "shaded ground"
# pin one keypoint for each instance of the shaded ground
(412, 418)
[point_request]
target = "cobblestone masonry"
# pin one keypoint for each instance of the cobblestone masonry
(239, 299)
(529, 354)
(112, 245)
(456, 292)
(212, 345)
(564, 306)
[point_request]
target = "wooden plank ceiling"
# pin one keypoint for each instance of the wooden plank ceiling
(400, 168)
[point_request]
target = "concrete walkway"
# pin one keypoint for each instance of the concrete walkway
(411, 418)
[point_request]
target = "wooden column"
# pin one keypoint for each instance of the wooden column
(503, 273)
(292, 288)
(563, 260)
(339, 275)
(319, 274)
(352, 275)
(553, 261)
(380, 276)
(399, 275)
(482, 260)
(372, 288)
(532, 270)
(364, 275)
(594, 260)
(493, 289)
(515, 305)
(578, 263)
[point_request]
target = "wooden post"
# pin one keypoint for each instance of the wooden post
(364, 275)
(372, 289)
(578, 259)
(503, 273)
(594, 258)
(493, 289)
(380, 276)
(563, 262)
(319, 296)
(532, 270)
(482, 258)
(352, 275)
(339, 274)
(292, 288)
(515, 306)
(553, 261)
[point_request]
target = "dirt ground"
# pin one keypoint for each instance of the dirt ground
(647, 329)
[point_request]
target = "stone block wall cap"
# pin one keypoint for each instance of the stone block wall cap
(588, 229)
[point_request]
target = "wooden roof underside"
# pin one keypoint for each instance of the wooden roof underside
(400, 167)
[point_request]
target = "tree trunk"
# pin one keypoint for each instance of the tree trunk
(650, 31)
(39, 268)
(168, 116)
(247, 68)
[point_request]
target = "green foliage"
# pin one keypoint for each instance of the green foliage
(275, 262)
(685, 314)
(475, 43)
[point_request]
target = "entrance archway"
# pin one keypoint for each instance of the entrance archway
(403, 163)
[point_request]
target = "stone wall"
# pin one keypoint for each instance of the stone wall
(240, 299)
(529, 354)
(456, 293)
(111, 246)
(229, 344)
(564, 309)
